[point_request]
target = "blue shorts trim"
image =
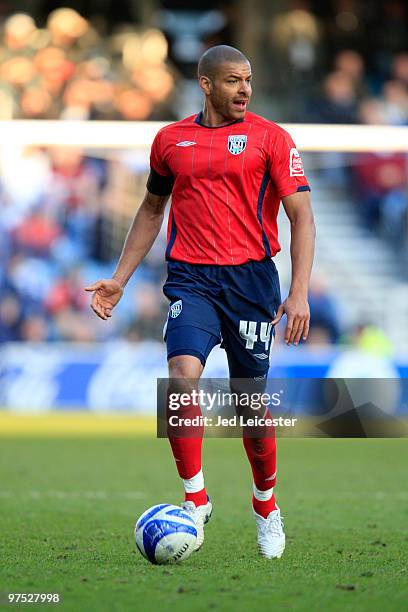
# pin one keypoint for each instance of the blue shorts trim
(189, 352)
(190, 340)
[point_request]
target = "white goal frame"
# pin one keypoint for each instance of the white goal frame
(133, 134)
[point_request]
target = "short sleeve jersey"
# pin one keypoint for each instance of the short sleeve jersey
(226, 184)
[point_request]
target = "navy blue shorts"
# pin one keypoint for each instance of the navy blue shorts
(231, 305)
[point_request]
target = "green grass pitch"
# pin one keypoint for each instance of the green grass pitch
(68, 507)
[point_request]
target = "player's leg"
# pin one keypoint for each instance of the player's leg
(188, 348)
(251, 299)
(260, 446)
(186, 442)
(259, 441)
(191, 332)
(261, 453)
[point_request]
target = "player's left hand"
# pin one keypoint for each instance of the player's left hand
(297, 312)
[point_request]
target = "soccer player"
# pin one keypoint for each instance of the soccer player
(227, 170)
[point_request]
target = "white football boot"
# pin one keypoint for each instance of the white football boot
(271, 537)
(201, 516)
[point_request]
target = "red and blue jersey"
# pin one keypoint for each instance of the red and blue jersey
(226, 184)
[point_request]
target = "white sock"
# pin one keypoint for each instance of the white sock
(262, 495)
(194, 484)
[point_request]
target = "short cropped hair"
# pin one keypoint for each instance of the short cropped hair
(215, 56)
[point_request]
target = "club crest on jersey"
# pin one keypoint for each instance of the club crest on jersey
(175, 309)
(295, 163)
(236, 144)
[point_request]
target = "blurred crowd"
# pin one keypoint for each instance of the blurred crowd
(67, 70)
(351, 94)
(60, 229)
(70, 68)
(378, 180)
(346, 62)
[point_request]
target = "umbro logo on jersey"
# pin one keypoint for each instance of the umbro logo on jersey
(236, 144)
(186, 143)
(261, 355)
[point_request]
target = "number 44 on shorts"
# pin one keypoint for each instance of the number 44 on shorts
(248, 331)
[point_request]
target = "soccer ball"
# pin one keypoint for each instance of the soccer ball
(165, 534)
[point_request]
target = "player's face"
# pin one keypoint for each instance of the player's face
(231, 90)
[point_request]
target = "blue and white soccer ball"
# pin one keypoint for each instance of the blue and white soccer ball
(165, 534)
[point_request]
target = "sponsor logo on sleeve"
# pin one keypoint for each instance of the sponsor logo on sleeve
(295, 163)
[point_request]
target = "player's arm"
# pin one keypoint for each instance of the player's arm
(299, 211)
(142, 233)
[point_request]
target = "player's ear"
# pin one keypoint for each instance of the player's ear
(205, 84)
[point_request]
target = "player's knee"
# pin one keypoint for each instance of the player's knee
(184, 371)
(185, 367)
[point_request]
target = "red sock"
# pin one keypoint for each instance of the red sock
(187, 454)
(263, 508)
(199, 498)
(261, 453)
(186, 444)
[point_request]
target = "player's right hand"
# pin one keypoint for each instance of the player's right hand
(106, 294)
